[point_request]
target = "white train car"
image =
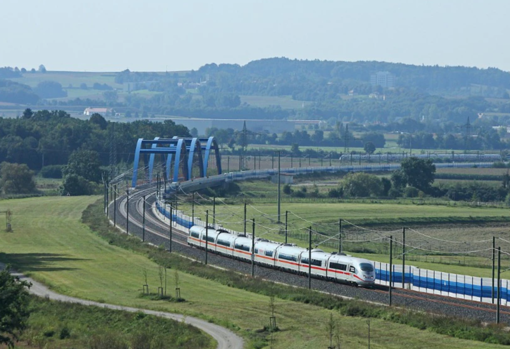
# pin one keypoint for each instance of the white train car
(225, 243)
(351, 269)
(265, 252)
(242, 248)
(196, 236)
(288, 256)
(318, 265)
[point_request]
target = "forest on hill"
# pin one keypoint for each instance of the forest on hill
(363, 92)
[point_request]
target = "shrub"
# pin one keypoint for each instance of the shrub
(77, 185)
(411, 192)
(64, 333)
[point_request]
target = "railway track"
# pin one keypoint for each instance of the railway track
(157, 233)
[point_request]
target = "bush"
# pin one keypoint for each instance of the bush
(16, 179)
(411, 192)
(334, 193)
(52, 171)
(286, 189)
(77, 185)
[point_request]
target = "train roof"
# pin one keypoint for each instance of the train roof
(348, 259)
(266, 245)
(295, 250)
(225, 236)
(242, 240)
(319, 254)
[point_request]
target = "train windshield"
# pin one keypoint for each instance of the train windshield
(366, 267)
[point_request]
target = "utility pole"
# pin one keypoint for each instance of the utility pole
(286, 231)
(403, 257)
(244, 219)
(127, 211)
(279, 183)
(253, 248)
(107, 197)
(340, 235)
(499, 286)
(493, 265)
(206, 234)
(193, 208)
(170, 228)
(391, 268)
(115, 205)
(214, 210)
(310, 258)
(143, 220)
(105, 200)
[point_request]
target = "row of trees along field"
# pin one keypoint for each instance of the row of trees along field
(340, 136)
(415, 179)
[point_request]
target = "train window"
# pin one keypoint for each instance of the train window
(338, 266)
(287, 257)
(195, 235)
(224, 243)
(352, 269)
(210, 238)
(367, 267)
(269, 253)
(315, 262)
(242, 247)
(257, 250)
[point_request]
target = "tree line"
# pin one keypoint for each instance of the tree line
(45, 137)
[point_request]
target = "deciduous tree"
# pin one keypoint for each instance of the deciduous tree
(418, 173)
(13, 307)
(16, 179)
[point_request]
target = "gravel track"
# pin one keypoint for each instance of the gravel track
(402, 298)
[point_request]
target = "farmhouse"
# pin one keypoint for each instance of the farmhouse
(102, 111)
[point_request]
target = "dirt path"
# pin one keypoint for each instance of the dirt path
(226, 339)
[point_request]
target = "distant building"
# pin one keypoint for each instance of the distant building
(102, 111)
(383, 78)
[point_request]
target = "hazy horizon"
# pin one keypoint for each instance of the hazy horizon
(159, 35)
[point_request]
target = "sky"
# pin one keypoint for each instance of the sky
(169, 35)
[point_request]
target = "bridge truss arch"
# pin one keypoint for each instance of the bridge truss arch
(176, 153)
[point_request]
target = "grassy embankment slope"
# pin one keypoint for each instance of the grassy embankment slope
(50, 244)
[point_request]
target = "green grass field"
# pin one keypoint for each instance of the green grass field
(68, 78)
(50, 244)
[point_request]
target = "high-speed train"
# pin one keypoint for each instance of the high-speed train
(333, 266)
